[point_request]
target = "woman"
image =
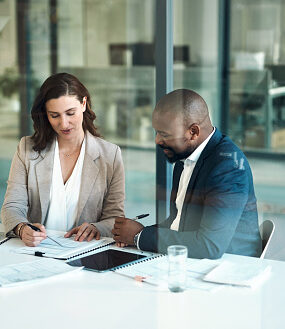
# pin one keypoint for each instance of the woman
(64, 177)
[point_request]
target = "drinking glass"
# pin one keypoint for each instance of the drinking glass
(177, 270)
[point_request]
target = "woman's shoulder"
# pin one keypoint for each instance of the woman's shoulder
(101, 143)
(26, 143)
(25, 148)
(96, 146)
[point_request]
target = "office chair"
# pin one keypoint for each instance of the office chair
(266, 229)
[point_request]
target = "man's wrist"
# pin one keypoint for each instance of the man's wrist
(137, 238)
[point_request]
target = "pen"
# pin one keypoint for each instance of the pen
(35, 228)
(140, 216)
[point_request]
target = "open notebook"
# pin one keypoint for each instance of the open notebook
(68, 249)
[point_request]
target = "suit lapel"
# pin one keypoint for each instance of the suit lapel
(177, 171)
(44, 177)
(90, 172)
(209, 148)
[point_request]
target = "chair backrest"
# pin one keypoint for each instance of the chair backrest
(267, 229)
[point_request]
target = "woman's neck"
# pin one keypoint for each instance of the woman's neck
(71, 144)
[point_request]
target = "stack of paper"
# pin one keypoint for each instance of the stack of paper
(246, 275)
(155, 271)
(65, 248)
(11, 275)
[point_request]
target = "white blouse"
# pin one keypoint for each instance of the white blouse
(63, 205)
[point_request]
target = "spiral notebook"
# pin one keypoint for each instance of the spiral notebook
(67, 249)
(151, 270)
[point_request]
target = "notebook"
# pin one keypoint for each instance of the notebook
(111, 259)
(68, 249)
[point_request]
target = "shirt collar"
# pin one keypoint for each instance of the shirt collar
(193, 157)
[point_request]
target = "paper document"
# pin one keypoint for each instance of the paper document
(11, 275)
(67, 248)
(246, 275)
(155, 271)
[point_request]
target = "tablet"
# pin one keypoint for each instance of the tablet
(107, 260)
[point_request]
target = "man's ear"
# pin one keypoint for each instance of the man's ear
(194, 131)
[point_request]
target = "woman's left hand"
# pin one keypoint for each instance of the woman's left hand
(85, 231)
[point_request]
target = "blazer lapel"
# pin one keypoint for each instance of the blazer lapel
(177, 171)
(90, 172)
(44, 170)
(209, 148)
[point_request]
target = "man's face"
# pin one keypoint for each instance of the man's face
(172, 136)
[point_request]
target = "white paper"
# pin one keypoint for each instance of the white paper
(247, 275)
(69, 246)
(155, 271)
(11, 275)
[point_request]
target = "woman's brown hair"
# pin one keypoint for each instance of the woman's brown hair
(57, 85)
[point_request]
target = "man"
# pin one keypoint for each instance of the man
(213, 205)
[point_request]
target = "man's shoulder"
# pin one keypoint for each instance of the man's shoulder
(224, 152)
(223, 144)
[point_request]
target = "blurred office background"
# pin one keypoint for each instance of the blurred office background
(231, 52)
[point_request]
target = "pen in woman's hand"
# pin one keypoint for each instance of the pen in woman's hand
(35, 228)
(140, 216)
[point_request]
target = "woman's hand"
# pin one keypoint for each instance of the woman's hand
(85, 231)
(31, 237)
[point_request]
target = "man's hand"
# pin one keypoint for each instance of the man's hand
(124, 231)
(85, 231)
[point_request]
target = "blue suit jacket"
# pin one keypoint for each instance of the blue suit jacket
(219, 213)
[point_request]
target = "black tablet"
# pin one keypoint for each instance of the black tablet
(106, 260)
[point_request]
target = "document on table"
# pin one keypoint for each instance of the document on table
(204, 274)
(69, 248)
(15, 274)
(155, 271)
(246, 275)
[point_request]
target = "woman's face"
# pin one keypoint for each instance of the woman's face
(65, 115)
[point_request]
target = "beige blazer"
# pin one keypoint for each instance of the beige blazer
(102, 190)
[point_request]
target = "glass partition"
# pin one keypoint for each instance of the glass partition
(195, 39)
(109, 46)
(257, 96)
(255, 81)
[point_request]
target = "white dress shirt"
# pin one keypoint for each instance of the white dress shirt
(189, 165)
(63, 206)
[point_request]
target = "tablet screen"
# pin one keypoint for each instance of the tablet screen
(106, 260)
